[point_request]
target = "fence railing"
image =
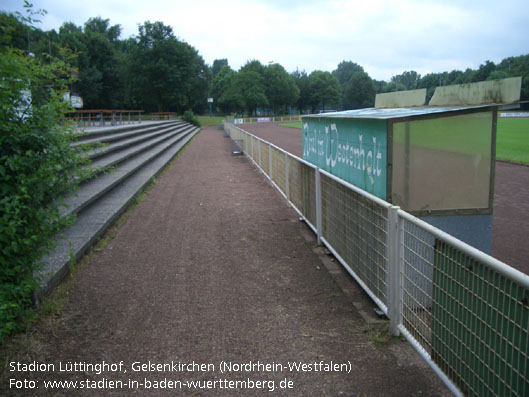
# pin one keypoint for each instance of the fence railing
(264, 119)
(465, 312)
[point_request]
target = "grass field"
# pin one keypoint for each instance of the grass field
(512, 140)
(293, 124)
(206, 121)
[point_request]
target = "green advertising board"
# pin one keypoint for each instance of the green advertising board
(352, 149)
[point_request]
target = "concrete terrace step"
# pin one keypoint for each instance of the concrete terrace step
(90, 133)
(96, 187)
(101, 200)
(113, 155)
(125, 141)
(109, 135)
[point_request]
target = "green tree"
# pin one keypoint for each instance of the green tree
(250, 85)
(253, 66)
(346, 70)
(225, 94)
(97, 51)
(409, 79)
(13, 33)
(484, 71)
(360, 91)
(37, 167)
(165, 73)
(302, 81)
(325, 90)
(217, 66)
(343, 73)
(281, 88)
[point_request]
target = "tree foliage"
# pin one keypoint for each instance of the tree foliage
(252, 89)
(165, 73)
(224, 91)
(217, 66)
(360, 91)
(281, 88)
(302, 81)
(37, 167)
(156, 71)
(408, 79)
(325, 90)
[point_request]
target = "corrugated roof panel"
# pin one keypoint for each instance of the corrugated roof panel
(391, 113)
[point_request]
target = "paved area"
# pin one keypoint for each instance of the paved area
(212, 267)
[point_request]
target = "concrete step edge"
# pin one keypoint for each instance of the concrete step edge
(121, 144)
(67, 248)
(104, 131)
(131, 150)
(118, 176)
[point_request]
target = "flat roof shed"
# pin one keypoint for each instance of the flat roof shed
(424, 159)
(436, 162)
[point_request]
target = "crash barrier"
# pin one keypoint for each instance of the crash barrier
(465, 312)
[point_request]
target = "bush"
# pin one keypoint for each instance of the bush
(37, 167)
(190, 118)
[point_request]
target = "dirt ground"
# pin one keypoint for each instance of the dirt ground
(212, 267)
(510, 243)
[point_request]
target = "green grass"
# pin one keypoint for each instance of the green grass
(512, 140)
(206, 121)
(294, 124)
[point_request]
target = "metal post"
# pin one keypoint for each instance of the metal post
(270, 161)
(394, 272)
(259, 152)
(317, 181)
(287, 188)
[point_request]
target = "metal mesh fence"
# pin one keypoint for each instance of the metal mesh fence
(480, 325)
(278, 169)
(255, 149)
(302, 190)
(466, 313)
(471, 320)
(417, 272)
(357, 230)
(265, 158)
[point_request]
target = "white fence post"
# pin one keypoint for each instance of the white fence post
(287, 182)
(394, 273)
(317, 181)
(270, 161)
(259, 152)
(246, 143)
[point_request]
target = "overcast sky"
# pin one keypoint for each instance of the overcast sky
(385, 37)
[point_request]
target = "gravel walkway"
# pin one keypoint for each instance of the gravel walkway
(214, 267)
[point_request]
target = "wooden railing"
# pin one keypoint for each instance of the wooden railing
(98, 117)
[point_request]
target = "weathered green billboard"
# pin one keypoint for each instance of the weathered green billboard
(352, 149)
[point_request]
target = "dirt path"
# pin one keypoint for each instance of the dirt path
(510, 243)
(213, 266)
(510, 238)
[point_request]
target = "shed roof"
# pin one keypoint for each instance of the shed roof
(393, 113)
